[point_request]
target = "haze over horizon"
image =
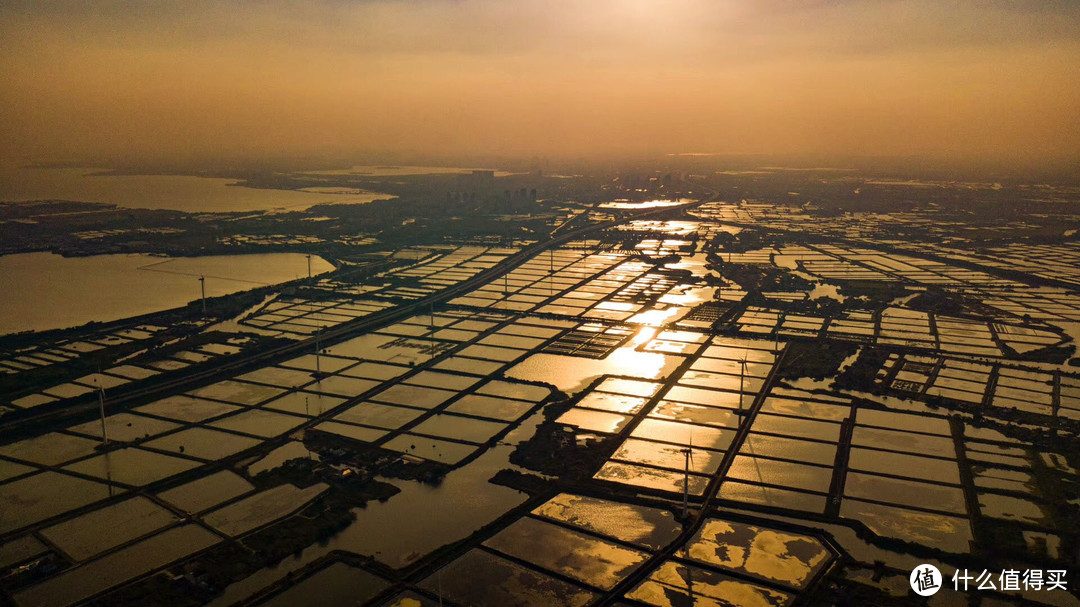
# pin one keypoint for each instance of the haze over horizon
(979, 82)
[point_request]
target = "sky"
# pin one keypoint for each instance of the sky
(989, 80)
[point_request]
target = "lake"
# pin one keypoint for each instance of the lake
(41, 291)
(175, 192)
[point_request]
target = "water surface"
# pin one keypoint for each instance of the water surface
(43, 291)
(174, 192)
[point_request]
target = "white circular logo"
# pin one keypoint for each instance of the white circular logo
(925, 580)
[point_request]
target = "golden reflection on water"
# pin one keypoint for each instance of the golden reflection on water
(686, 295)
(596, 562)
(949, 533)
(771, 557)
(573, 373)
(765, 553)
(642, 336)
(654, 318)
(628, 361)
(678, 300)
(650, 204)
(653, 528)
(673, 585)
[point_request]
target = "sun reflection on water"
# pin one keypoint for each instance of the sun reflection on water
(573, 373)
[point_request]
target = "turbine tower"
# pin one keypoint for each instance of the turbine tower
(318, 349)
(742, 378)
(101, 406)
(688, 451)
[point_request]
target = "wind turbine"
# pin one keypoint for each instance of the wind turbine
(688, 451)
(101, 405)
(742, 378)
(202, 287)
(318, 349)
(551, 270)
(307, 411)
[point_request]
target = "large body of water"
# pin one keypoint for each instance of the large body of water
(175, 192)
(41, 291)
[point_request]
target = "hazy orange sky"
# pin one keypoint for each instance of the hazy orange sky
(975, 79)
